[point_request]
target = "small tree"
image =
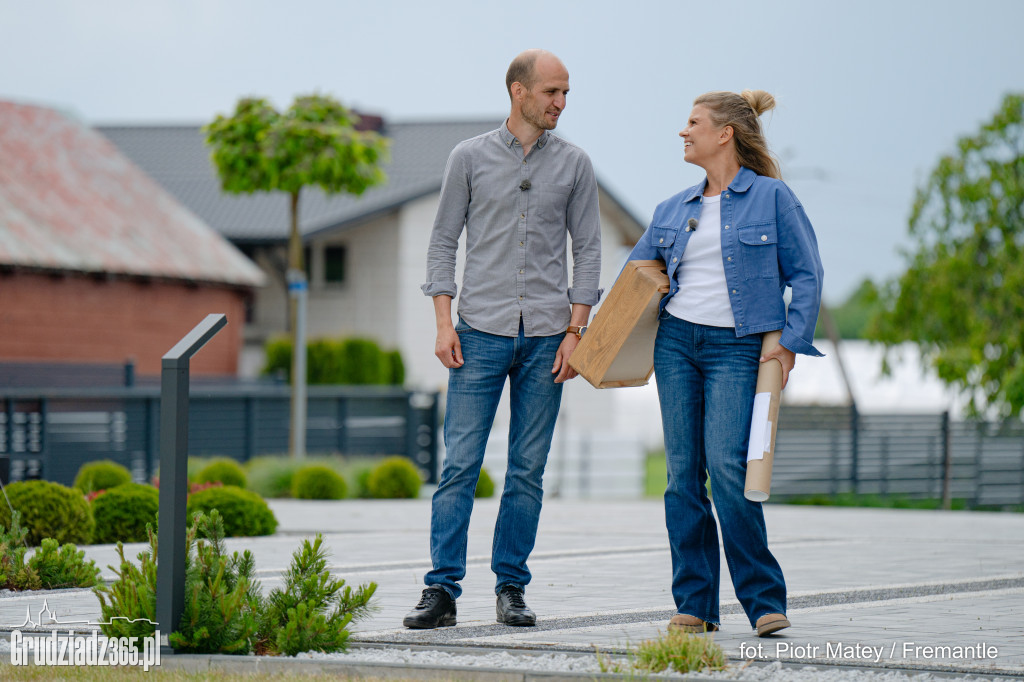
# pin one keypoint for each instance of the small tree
(961, 299)
(314, 143)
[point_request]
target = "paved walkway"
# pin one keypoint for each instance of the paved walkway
(939, 591)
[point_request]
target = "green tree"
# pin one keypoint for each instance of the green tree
(961, 300)
(314, 143)
(853, 315)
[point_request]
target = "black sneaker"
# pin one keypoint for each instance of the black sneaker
(512, 608)
(436, 609)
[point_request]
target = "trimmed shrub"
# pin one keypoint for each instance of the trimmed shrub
(317, 482)
(49, 510)
(224, 470)
(351, 361)
(395, 477)
(102, 474)
(122, 513)
(271, 476)
(484, 485)
(243, 511)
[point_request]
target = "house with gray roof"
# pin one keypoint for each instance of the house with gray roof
(365, 255)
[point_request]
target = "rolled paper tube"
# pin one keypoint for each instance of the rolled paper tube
(764, 421)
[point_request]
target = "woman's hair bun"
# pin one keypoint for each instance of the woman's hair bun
(759, 100)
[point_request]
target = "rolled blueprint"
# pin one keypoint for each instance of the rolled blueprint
(763, 424)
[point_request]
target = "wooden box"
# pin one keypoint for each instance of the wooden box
(618, 347)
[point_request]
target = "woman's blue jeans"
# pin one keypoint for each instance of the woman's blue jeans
(706, 381)
(473, 394)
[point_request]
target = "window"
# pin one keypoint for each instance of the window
(334, 264)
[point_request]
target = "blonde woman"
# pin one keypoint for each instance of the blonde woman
(732, 245)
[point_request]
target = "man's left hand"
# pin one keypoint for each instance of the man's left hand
(562, 368)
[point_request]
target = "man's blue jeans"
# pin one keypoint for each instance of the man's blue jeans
(473, 394)
(706, 381)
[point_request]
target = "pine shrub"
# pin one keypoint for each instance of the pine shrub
(122, 513)
(103, 474)
(318, 482)
(244, 513)
(50, 567)
(313, 609)
(484, 485)
(223, 470)
(49, 510)
(128, 604)
(221, 595)
(394, 477)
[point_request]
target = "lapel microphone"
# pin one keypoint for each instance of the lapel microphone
(524, 185)
(692, 224)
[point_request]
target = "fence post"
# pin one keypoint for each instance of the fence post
(854, 448)
(947, 462)
(170, 568)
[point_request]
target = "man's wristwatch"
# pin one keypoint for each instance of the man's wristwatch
(578, 331)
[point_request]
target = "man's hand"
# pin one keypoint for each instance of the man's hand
(562, 368)
(447, 348)
(786, 358)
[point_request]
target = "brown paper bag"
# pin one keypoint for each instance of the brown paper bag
(618, 347)
(764, 423)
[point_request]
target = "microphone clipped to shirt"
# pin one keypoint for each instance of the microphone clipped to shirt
(691, 224)
(524, 185)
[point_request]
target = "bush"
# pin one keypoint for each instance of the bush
(312, 611)
(484, 485)
(316, 482)
(243, 511)
(49, 510)
(223, 470)
(271, 476)
(347, 361)
(225, 611)
(103, 474)
(122, 513)
(395, 477)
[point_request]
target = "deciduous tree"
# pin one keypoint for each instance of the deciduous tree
(961, 299)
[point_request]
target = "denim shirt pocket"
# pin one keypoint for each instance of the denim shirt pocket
(758, 250)
(552, 201)
(663, 239)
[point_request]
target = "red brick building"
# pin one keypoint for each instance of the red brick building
(98, 263)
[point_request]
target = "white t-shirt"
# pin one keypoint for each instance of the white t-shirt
(703, 295)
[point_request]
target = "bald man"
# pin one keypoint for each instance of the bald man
(520, 193)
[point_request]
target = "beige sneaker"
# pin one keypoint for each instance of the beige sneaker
(686, 623)
(771, 622)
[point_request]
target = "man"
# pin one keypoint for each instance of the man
(517, 191)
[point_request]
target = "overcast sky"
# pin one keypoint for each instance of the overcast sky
(870, 93)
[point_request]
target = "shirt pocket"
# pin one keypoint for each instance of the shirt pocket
(552, 201)
(663, 239)
(758, 250)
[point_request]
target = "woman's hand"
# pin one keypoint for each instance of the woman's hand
(786, 358)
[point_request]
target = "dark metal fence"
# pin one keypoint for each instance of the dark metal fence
(830, 450)
(50, 433)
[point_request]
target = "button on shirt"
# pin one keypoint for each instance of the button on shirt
(517, 213)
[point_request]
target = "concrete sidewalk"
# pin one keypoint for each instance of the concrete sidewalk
(890, 589)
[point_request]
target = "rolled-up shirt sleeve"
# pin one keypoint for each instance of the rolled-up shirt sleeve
(584, 225)
(448, 226)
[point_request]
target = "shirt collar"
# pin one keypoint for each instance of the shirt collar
(741, 183)
(509, 139)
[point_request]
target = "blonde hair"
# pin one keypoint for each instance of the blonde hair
(742, 112)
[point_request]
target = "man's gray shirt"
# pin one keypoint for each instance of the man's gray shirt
(517, 212)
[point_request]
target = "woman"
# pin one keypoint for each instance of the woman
(732, 244)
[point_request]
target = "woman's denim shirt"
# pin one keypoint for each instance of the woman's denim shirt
(767, 244)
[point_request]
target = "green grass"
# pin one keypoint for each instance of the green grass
(655, 474)
(34, 673)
